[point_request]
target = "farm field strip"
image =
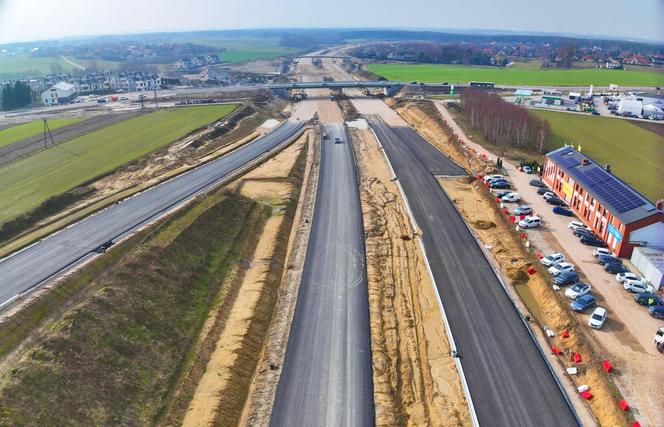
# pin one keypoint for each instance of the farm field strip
(30, 181)
(25, 130)
(516, 75)
(634, 152)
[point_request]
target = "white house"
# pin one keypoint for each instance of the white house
(60, 93)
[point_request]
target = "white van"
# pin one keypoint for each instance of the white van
(511, 197)
(530, 222)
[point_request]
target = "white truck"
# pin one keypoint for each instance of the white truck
(659, 339)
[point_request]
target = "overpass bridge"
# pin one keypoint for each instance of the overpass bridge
(390, 87)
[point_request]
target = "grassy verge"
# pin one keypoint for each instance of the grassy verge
(633, 151)
(30, 181)
(517, 76)
(114, 357)
(25, 130)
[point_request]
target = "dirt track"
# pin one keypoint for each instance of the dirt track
(29, 145)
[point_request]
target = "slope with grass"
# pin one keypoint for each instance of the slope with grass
(28, 182)
(635, 153)
(25, 130)
(517, 75)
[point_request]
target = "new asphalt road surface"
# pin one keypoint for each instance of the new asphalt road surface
(57, 253)
(326, 379)
(508, 378)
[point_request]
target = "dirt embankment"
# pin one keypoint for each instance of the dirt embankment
(217, 386)
(415, 379)
(492, 227)
(113, 356)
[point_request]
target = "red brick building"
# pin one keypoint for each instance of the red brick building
(620, 215)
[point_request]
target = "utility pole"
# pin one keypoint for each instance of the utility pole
(47, 133)
(156, 103)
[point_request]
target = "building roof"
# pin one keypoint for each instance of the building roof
(624, 202)
(650, 95)
(64, 86)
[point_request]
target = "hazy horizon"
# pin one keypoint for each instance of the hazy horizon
(75, 18)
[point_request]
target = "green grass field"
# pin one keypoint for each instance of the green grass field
(242, 48)
(519, 75)
(28, 182)
(635, 153)
(18, 66)
(24, 130)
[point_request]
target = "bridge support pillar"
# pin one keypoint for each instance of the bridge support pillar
(392, 90)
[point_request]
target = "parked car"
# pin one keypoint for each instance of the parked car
(577, 290)
(500, 184)
(592, 241)
(615, 268)
(597, 318)
(580, 232)
(559, 210)
(490, 178)
(603, 259)
(558, 268)
(621, 277)
(603, 251)
(527, 169)
(573, 225)
(548, 195)
(656, 311)
(583, 303)
(530, 222)
(648, 299)
(542, 191)
(566, 278)
(500, 194)
(551, 259)
(522, 210)
(556, 201)
(637, 286)
(537, 183)
(511, 198)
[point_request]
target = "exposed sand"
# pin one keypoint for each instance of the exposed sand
(415, 379)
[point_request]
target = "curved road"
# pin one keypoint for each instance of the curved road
(57, 253)
(326, 378)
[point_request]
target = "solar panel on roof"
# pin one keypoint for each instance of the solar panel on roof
(616, 194)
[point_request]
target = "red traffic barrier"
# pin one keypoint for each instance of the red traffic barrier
(512, 218)
(532, 270)
(522, 217)
(565, 333)
(636, 424)
(556, 350)
(539, 255)
(576, 357)
(586, 395)
(523, 235)
(498, 199)
(607, 366)
(505, 211)
(487, 184)
(624, 405)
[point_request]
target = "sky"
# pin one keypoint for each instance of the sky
(27, 20)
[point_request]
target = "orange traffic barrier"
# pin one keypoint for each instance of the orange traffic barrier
(505, 211)
(539, 255)
(523, 235)
(624, 405)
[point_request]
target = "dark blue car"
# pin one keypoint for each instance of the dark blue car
(566, 278)
(542, 190)
(592, 241)
(559, 210)
(606, 259)
(502, 184)
(615, 268)
(555, 201)
(656, 311)
(583, 302)
(648, 299)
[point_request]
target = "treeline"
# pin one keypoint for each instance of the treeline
(502, 123)
(16, 96)
(432, 53)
